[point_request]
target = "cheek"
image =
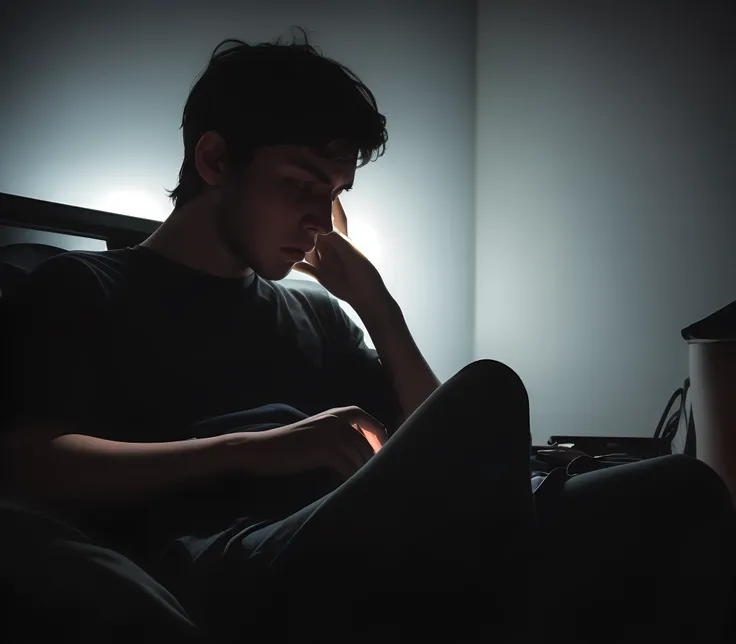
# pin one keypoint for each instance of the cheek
(266, 212)
(271, 220)
(240, 213)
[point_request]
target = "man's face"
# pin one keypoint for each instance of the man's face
(273, 210)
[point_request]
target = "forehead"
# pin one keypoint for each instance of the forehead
(341, 170)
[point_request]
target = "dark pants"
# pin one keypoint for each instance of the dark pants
(445, 509)
(637, 550)
(446, 505)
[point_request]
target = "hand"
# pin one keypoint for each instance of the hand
(341, 439)
(342, 269)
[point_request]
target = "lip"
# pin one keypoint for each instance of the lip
(294, 254)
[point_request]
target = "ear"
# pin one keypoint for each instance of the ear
(210, 158)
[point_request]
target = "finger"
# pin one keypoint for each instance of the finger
(307, 269)
(350, 443)
(367, 423)
(313, 256)
(352, 438)
(338, 243)
(374, 440)
(339, 216)
(360, 446)
(325, 244)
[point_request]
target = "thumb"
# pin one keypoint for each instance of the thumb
(307, 269)
(340, 243)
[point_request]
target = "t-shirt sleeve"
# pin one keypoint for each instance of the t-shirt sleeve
(358, 373)
(54, 335)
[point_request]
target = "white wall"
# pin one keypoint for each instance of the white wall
(92, 99)
(606, 200)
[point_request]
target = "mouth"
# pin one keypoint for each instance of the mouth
(294, 254)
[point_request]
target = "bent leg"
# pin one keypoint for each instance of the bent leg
(445, 506)
(452, 480)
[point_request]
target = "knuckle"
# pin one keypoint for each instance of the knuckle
(335, 423)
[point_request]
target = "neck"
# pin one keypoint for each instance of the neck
(189, 236)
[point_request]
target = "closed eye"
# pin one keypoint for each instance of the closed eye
(304, 186)
(310, 186)
(320, 177)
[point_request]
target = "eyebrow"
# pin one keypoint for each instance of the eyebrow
(317, 173)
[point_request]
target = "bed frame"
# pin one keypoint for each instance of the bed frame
(117, 231)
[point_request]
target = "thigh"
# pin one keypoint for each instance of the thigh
(445, 506)
(452, 479)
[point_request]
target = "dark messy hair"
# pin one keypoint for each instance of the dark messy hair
(274, 93)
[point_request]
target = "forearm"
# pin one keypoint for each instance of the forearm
(412, 377)
(75, 470)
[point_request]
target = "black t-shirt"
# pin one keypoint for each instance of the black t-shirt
(127, 345)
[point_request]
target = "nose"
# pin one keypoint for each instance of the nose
(319, 221)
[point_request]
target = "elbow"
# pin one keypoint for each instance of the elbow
(25, 472)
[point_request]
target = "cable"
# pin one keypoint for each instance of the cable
(577, 465)
(667, 431)
(617, 458)
(661, 425)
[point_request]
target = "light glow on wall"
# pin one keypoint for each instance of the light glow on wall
(366, 239)
(133, 202)
(98, 126)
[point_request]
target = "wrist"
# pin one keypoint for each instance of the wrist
(379, 312)
(237, 451)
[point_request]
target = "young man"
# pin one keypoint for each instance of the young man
(235, 436)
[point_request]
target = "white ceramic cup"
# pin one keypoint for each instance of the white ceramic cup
(713, 396)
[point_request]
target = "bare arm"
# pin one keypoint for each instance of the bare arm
(412, 377)
(74, 470)
(344, 271)
(63, 319)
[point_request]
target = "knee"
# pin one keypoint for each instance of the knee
(497, 397)
(493, 375)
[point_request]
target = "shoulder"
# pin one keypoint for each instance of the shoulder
(301, 295)
(74, 279)
(87, 263)
(308, 304)
(77, 269)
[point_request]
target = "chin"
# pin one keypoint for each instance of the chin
(274, 272)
